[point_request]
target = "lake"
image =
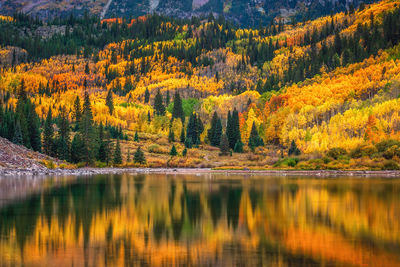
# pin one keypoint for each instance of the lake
(199, 220)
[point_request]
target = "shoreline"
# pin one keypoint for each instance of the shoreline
(283, 173)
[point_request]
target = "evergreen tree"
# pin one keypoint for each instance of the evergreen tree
(48, 135)
(139, 157)
(77, 110)
(188, 142)
(63, 139)
(184, 152)
(136, 138)
(236, 128)
(117, 153)
(293, 149)
(17, 139)
(177, 111)
(173, 151)
(238, 147)
(255, 140)
(171, 135)
(158, 104)
(167, 99)
(34, 129)
(224, 146)
(77, 149)
(87, 69)
(87, 131)
(183, 137)
(109, 102)
(215, 132)
(146, 96)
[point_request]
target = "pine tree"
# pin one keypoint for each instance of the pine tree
(184, 152)
(87, 131)
(238, 147)
(183, 137)
(177, 111)
(171, 135)
(48, 135)
(255, 140)
(77, 110)
(173, 151)
(34, 129)
(117, 153)
(215, 132)
(109, 102)
(167, 99)
(63, 139)
(77, 149)
(146, 96)
(139, 157)
(224, 146)
(236, 128)
(136, 138)
(158, 104)
(293, 149)
(87, 69)
(17, 139)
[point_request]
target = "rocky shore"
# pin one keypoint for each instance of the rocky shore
(35, 172)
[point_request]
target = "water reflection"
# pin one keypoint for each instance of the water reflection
(210, 220)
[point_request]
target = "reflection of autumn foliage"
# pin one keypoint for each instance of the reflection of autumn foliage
(158, 220)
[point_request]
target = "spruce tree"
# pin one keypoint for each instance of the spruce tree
(63, 139)
(293, 149)
(173, 151)
(48, 135)
(159, 105)
(117, 153)
(255, 140)
(77, 110)
(34, 129)
(224, 146)
(139, 157)
(146, 96)
(236, 128)
(109, 102)
(215, 132)
(177, 111)
(171, 135)
(86, 130)
(136, 138)
(238, 147)
(182, 137)
(167, 99)
(184, 152)
(17, 139)
(77, 149)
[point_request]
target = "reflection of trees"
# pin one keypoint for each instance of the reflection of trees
(155, 221)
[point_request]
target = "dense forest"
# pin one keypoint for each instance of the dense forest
(158, 91)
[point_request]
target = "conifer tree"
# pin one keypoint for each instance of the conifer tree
(109, 102)
(177, 111)
(77, 110)
(238, 147)
(171, 135)
(159, 105)
(224, 146)
(34, 129)
(136, 138)
(63, 139)
(146, 96)
(293, 149)
(255, 140)
(182, 137)
(215, 132)
(17, 139)
(77, 149)
(139, 157)
(184, 152)
(48, 135)
(86, 130)
(167, 99)
(117, 153)
(173, 151)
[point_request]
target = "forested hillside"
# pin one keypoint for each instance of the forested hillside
(157, 91)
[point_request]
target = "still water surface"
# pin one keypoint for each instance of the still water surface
(200, 220)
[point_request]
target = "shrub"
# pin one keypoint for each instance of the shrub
(336, 152)
(391, 152)
(363, 150)
(390, 165)
(386, 144)
(289, 162)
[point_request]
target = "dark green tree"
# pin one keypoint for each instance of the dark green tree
(159, 104)
(136, 138)
(215, 132)
(77, 113)
(139, 157)
(109, 102)
(146, 96)
(86, 131)
(171, 135)
(173, 151)
(224, 146)
(77, 149)
(177, 111)
(63, 138)
(293, 149)
(48, 135)
(117, 153)
(17, 139)
(255, 140)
